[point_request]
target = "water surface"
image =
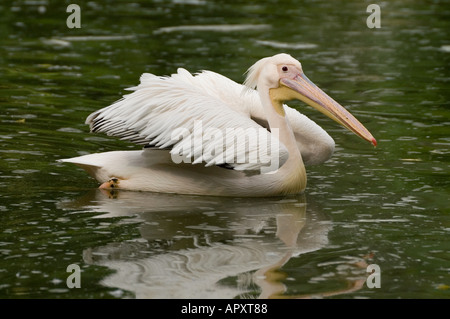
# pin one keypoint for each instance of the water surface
(386, 205)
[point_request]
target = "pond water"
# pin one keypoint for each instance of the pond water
(387, 205)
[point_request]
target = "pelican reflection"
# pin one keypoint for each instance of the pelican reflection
(203, 247)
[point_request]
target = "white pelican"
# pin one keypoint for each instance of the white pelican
(189, 125)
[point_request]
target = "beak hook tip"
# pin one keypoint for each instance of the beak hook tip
(374, 142)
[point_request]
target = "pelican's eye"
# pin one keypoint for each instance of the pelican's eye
(284, 68)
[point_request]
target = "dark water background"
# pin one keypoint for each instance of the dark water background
(387, 206)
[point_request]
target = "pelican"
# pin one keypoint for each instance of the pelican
(205, 134)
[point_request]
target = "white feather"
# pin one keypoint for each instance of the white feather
(160, 105)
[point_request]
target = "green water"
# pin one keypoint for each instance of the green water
(387, 205)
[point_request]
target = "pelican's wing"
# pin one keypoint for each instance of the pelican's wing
(194, 122)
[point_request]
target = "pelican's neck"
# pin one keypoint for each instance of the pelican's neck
(276, 118)
(295, 178)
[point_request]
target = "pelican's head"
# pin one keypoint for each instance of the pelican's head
(283, 77)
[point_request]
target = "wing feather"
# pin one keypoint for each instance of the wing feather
(207, 110)
(314, 143)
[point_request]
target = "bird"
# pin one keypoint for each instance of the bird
(205, 134)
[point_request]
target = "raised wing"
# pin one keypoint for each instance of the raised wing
(314, 143)
(196, 121)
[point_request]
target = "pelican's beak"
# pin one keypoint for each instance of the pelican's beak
(312, 95)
